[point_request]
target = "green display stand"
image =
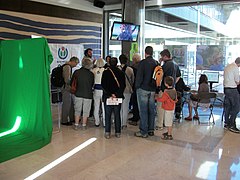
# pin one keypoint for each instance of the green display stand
(25, 109)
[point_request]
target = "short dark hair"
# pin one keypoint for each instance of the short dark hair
(113, 61)
(203, 79)
(165, 52)
(123, 59)
(149, 50)
(108, 56)
(86, 51)
(169, 80)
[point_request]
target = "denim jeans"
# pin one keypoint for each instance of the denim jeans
(231, 106)
(146, 105)
(117, 120)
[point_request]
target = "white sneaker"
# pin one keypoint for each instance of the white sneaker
(75, 127)
(124, 127)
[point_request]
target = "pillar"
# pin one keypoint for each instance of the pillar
(133, 11)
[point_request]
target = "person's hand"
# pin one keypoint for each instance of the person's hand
(113, 96)
(160, 61)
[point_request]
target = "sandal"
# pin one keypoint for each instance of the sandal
(167, 137)
(165, 134)
(196, 117)
(188, 118)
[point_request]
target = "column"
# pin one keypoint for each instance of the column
(133, 11)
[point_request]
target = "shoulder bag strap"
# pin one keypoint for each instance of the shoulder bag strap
(114, 77)
(124, 71)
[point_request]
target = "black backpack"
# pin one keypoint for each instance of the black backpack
(57, 79)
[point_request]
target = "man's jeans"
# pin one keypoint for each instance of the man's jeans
(231, 106)
(146, 105)
(117, 120)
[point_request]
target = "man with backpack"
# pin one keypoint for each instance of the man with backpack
(67, 102)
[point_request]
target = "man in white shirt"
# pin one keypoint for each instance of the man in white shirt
(232, 99)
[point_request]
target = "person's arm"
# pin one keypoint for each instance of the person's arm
(67, 74)
(177, 78)
(132, 76)
(139, 76)
(122, 83)
(185, 87)
(236, 76)
(178, 73)
(105, 83)
(162, 98)
(73, 76)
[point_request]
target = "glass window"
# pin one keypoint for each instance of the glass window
(200, 38)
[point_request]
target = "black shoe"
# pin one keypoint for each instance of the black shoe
(226, 126)
(234, 129)
(138, 134)
(131, 119)
(66, 123)
(133, 123)
(97, 125)
(151, 133)
(177, 116)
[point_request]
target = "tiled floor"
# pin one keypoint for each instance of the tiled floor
(197, 152)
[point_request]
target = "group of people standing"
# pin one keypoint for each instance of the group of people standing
(110, 81)
(98, 81)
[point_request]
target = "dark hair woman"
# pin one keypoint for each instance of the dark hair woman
(203, 87)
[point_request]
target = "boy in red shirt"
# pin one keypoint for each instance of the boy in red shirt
(168, 99)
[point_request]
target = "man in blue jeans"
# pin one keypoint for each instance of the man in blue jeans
(232, 100)
(145, 94)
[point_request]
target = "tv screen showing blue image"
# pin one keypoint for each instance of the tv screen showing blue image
(213, 76)
(124, 31)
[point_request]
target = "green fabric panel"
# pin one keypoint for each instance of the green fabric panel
(24, 92)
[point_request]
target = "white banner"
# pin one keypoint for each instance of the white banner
(63, 52)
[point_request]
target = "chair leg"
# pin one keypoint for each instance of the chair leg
(223, 114)
(211, 114)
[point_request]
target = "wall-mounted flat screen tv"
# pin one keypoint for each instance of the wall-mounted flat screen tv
(124, 31)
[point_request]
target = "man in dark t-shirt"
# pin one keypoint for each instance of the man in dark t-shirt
(170, 68)
(145, 94)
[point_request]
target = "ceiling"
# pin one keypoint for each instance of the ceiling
(170, 19)
(107, 2)
(88, 4)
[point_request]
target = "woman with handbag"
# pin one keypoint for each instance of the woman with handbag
(113, 84)
(193, 102)
(83, 79)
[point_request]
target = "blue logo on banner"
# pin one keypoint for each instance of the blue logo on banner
(62, 53)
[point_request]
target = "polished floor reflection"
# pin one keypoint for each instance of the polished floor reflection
(196, 152)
